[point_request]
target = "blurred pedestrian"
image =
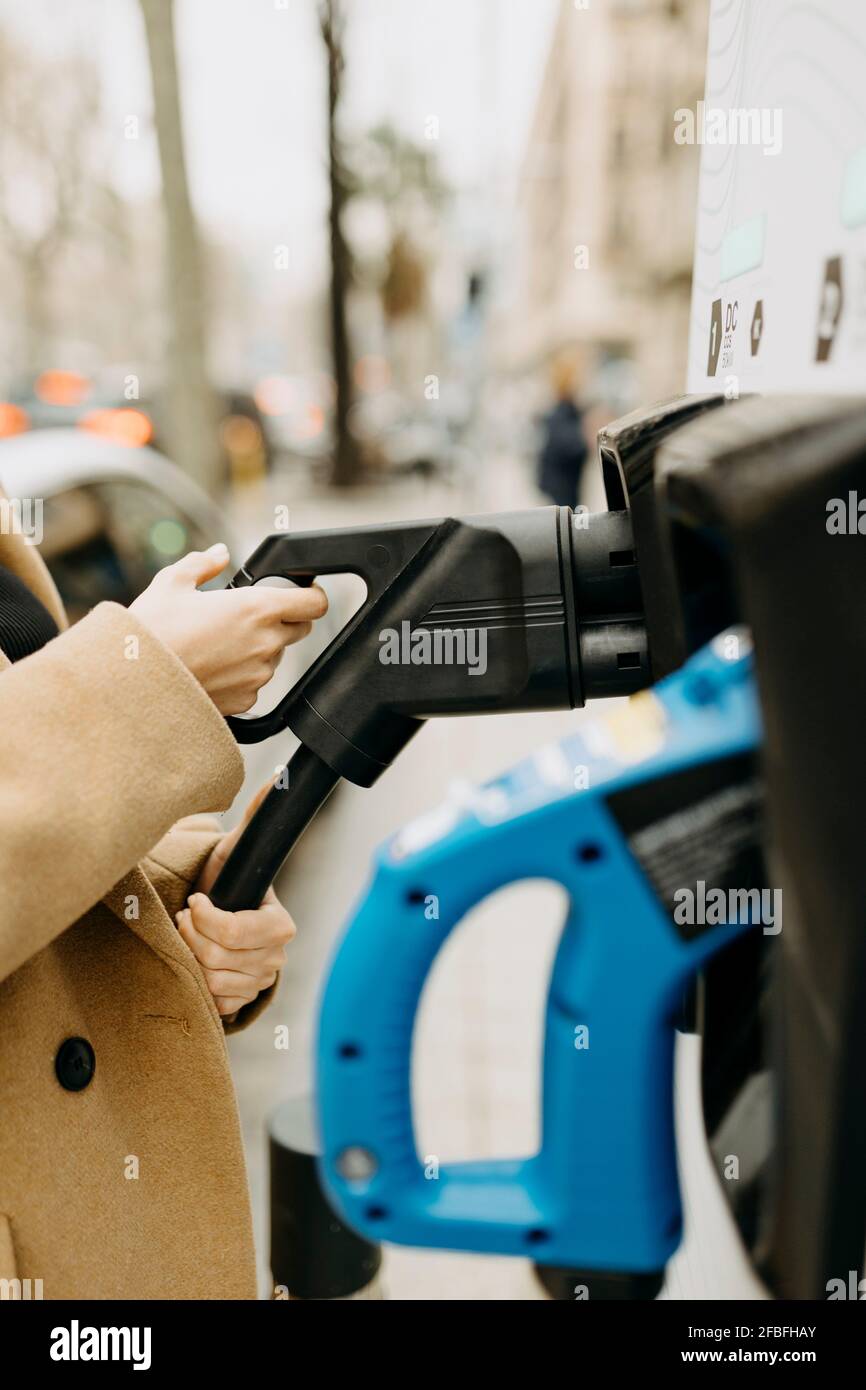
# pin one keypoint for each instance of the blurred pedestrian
(564, 449)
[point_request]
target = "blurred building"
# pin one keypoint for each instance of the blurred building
(608, 198)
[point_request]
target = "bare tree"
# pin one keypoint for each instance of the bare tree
(190, 399)
(347, 461)
(49, 190)
(404, 178)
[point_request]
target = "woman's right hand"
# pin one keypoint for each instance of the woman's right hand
(230, 639)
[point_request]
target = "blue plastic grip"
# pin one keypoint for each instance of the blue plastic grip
(602, 1192)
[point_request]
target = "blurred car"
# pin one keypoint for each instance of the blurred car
(58, 398)
(111, 517)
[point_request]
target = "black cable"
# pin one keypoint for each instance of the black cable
(274, 830)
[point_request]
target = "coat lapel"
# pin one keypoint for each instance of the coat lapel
(137, 906)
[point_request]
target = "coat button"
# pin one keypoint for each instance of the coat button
(75, 1064)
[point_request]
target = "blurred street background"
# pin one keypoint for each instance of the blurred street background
(351, 261)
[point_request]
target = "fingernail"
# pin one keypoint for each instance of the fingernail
(219, 549)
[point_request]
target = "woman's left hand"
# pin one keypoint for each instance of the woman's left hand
(239, 952)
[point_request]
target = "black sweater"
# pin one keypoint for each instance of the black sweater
(25, 623)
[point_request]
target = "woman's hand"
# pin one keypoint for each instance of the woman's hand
(239, 952)
(230, 639)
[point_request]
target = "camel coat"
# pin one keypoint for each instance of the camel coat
(133, 1187)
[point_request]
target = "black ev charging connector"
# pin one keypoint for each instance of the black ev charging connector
(687, 598)
(534, 610)
(553, 593)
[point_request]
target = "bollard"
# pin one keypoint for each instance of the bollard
(313, 1254)
(577, 1285)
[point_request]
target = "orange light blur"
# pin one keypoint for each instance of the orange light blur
(122, 426)
(240, 434)
(275, 395)
(311, 424)
(61, 388)
(13, 420)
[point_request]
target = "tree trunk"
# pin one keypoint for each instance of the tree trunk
(346, 462)
(192, 415)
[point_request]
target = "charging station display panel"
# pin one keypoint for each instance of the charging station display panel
(779, 290)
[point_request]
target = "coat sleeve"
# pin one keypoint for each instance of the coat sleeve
(107, 740)
(174, 864)
(173, 867)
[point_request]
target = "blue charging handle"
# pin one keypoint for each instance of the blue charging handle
(602, 1192)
